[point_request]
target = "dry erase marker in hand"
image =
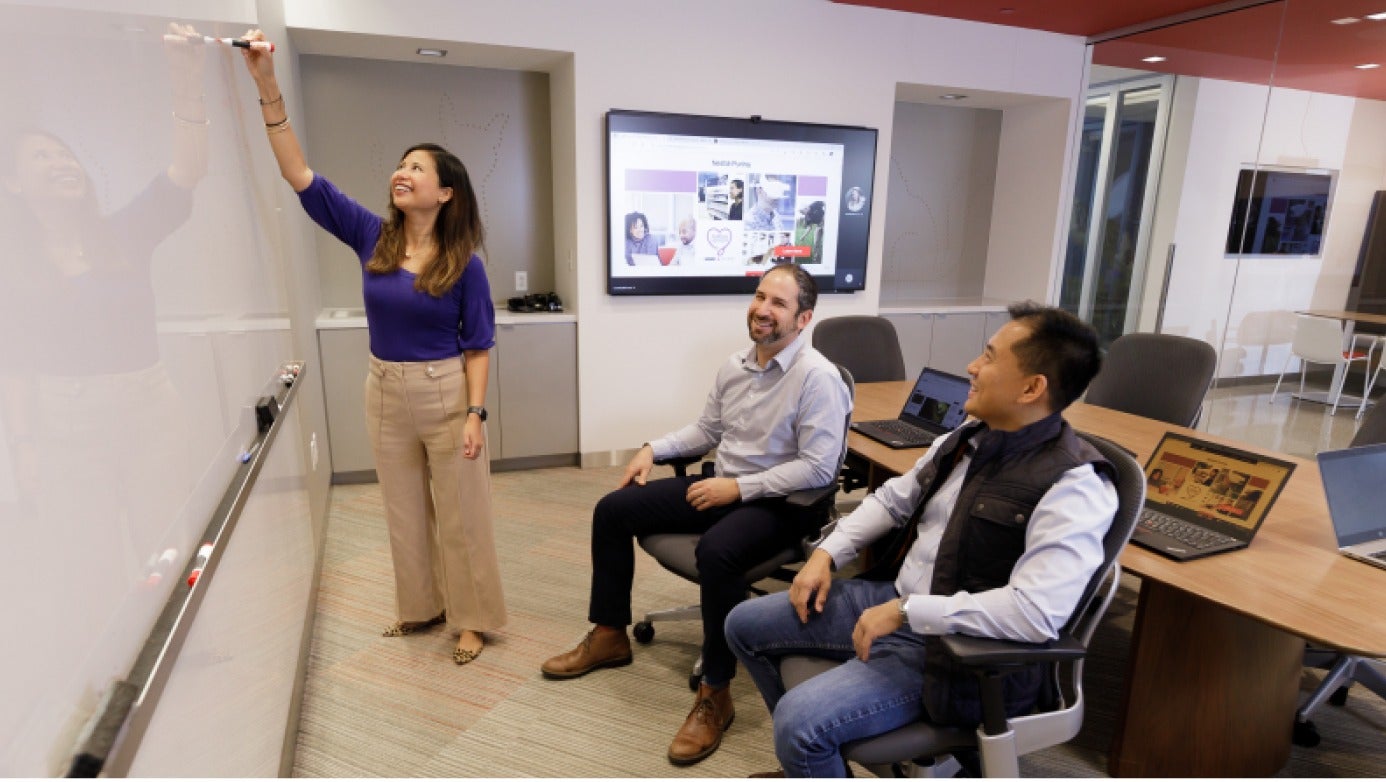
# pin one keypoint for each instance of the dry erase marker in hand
(237, 42)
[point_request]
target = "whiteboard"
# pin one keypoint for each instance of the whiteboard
(143, 305)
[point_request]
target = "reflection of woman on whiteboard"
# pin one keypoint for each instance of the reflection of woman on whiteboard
(91, 418)
(431, 325)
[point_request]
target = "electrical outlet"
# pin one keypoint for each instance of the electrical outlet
(521, 282)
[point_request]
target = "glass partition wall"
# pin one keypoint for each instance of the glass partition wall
(1226, 171)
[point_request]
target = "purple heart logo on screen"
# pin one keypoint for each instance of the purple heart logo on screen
(719, 238)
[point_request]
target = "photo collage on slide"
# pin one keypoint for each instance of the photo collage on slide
(724, 222)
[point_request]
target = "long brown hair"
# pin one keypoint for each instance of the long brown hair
(457, 231)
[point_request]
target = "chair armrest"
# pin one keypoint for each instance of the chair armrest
(993, 653)
(990, 659)
(808, 498)
(680, 463)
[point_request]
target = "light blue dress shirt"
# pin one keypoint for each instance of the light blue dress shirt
(777, 429)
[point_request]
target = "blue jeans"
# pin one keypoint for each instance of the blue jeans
(852, 701)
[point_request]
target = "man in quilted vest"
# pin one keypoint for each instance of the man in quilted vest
(995, 532)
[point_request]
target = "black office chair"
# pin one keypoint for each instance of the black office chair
(677, 552)
(866, 345)
(869, 347)
(1000, 740)
(1343, 669)
(1159, 376)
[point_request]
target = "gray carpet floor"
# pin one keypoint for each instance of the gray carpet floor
(399, 707)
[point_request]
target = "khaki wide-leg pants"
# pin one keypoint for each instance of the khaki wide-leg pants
(437, 502)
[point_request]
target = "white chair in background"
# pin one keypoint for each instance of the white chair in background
(1378, 340)
(1320, 341)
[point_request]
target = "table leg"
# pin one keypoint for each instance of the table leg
(1209, 692)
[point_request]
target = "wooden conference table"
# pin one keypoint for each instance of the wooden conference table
(1217, 648)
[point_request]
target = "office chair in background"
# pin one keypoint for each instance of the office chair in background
(677, 552)
(1001, 740)
(1159, 376)
(869, 347)
(1320, 341)
(1343, 669)
(1377, 340)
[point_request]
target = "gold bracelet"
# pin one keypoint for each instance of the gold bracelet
(277, 128)
(279, 99)
(281, 123)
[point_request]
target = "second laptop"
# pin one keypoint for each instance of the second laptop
(934, 408)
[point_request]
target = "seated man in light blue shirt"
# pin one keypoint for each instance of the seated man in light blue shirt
(777, 416)
(995, 533)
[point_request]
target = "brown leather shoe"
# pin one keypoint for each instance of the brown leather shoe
(702, 732)
(776, 774)
(602, 647)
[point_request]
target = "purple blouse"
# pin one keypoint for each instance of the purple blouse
(405, 324)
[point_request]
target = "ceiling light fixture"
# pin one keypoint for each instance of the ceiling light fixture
(952, 96)
(1346, 20)
(1376, 17)
(1153, 58)
(1366, 66)
(432, 52)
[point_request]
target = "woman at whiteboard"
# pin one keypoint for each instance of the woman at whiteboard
(431, 324)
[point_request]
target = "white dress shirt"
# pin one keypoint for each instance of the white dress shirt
(1063, 548)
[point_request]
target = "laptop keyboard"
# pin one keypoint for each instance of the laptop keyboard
(903, 430)
(1191, 535)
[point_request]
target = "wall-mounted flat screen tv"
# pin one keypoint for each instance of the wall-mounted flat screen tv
(1280, 211)
(707, 204)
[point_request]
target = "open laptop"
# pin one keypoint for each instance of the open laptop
(934, 407)
(1202, 498)
(1353, 482)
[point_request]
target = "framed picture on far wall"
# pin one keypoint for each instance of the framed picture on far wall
(1280, 212)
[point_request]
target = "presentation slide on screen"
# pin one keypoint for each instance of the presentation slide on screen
(708, 206)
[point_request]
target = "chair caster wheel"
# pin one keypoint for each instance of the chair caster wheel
(1305, 734)
(694, 680)
(643, 632)
(1339, 697)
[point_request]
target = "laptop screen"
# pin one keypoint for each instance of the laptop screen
(1198, 480)
(937, 400)
(1353, 480)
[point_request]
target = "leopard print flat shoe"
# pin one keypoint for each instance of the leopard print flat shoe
(407, 628)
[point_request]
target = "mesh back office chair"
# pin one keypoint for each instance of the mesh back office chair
(1001, 740)
(866, 345)
(869, 347)
(1159, 376)
(1320, 341)
(677, 552)
(1343, 669)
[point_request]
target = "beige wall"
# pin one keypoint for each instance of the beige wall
(938, 214)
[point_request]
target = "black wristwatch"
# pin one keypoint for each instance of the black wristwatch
(479, 410)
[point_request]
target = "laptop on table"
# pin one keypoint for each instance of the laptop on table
(934, 407)
(1202, 498)
(1354, 480)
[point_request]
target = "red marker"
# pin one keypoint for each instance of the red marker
(202, 554)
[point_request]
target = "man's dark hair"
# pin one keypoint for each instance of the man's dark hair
(808, 287)
(1060, 346)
